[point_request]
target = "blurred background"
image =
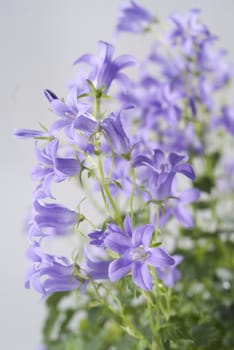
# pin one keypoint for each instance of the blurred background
(39, 41)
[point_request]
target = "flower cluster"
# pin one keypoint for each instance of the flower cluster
(122, 165)
(137, 158)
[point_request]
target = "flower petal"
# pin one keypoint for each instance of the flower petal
(128, 225)
(119, 268)
(187, 170)
(141, 275)
(159, 258)
(184, 216)
(67, 166)
(164, 190)
(175, 158)
(117, 242)
(86, 123)
(142, 235)
(190, 195)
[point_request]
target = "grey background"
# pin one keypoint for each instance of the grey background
(39, 41)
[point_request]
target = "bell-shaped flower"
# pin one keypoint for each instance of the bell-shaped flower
(52, 168)
(177, 208)
(188, 30)
(105, 69)
(133, 247)
(69, 111)
(113, 127)
(171, 274)
(29, 133)
(133, 18)
(48, 274)
(96, 267)
(53, 218)
(161, 171)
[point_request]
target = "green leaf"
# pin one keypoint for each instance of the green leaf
(53, 300)
(53, 314)
(49, 325)
(204, 335)
(205, 183)
(118, 184)
(68, 315)
(175, 330)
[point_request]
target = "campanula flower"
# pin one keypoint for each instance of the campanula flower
(105, 69)
(133, 18)
(48, 274)
(161, 171)
(226, 120)
(95, 267)
(53, 218)
(188, 30)
(52, 168)
(29, 133)
(176, 208)
(69, 111)
(170, 274)
(133, 247)
(113, 127)
(97, 238)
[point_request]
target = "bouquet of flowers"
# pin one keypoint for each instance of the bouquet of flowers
(146, 153)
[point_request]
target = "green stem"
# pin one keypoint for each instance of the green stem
(117, 215)
(130, 328)
(132, 194)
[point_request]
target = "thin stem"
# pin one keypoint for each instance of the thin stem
(132, 193)
(117, 215)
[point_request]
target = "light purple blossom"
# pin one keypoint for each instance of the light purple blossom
(105, 69)
(96, 268)
(97, 237)
(113, 127)
(226, 119)
(52, 168)
(133, 18)
(48, 274)
(170, 274)
(133, 247)
(69, 111)
(188, 30)
(176, 208)
(29, 133)
(161, 170)
(54, 219)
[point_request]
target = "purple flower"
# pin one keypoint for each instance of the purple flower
(226, 120)
(29, 133)
(96, 268)
(69, 111)
(50, 95)
(52, 168)
(133, 18)
(133, 246)
(161, 172)
(113, 127)
(170, 274)
(103, 68)
(178, 210)
(54, 219)
(188, 30)
(48, 274)
(97, 238)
